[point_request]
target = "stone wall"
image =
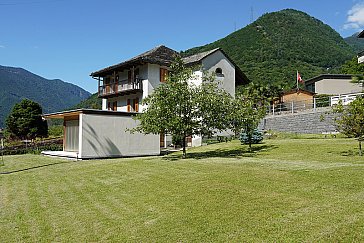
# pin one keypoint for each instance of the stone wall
(319, 121)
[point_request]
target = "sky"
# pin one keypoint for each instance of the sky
(69, 39)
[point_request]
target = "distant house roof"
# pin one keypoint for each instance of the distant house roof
(241, 78)
(328, 76)
(161, 55)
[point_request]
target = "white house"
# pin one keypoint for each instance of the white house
(122, 87)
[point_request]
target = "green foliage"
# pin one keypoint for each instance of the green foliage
(93, 102)
(353, 67)
(52, 95)
(183, 109)
(351, 119)
(25, 121)
(254, 137)
(55, 131)
(275, 46)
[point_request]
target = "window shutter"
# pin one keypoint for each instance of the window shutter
(128, 106)
(163, 75)
(136, 105)
(115, 106)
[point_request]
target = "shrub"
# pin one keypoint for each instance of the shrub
(256, 137)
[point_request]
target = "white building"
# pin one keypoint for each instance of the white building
(122, 87)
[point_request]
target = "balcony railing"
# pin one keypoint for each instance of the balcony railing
(121, 87)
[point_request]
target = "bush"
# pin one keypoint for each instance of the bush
(256, 137)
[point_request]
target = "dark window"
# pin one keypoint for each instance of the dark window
(218, 72)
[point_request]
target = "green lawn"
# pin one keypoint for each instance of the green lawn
(285, 190)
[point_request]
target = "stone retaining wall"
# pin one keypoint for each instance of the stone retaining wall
(318, 121)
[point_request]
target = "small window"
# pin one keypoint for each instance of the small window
(163, 75)
(218, 72)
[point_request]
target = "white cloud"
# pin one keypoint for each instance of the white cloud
(1, 46)
(355, 19)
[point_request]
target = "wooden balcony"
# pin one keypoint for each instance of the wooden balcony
(123, 87)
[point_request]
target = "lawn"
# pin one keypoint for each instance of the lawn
(285, 190)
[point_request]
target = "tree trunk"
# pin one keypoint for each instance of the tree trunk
(184, 146)
(360, 151)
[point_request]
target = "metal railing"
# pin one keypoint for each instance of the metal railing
(119, 87)
(311, 104)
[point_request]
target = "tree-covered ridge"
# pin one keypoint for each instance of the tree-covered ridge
(356, 43)
(92, 102)
(52, 95)
(275, 46)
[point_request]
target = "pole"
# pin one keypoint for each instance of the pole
(2, 151)
(297, 79)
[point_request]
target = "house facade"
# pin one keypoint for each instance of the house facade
(122, 88)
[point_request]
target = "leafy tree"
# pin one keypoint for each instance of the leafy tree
(25, 121)
(351, 120)
(248, 110)
(183, 109)
(357, 69)
(352, 67)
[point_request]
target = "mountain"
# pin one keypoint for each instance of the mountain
(276, 45)
(53, 95)
(356, 43)
(92, 102)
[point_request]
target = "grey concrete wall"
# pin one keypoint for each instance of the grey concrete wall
(307, 122)
(336, 86)
(106, 136)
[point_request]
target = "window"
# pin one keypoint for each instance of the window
(115, 106)
(136, 104)
(128, 106)
(218, 72)
(163, 75)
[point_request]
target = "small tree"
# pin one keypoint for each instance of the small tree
(182, 109)
(25, 121)
(351, 120)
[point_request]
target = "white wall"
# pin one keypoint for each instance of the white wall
(106, 136)
(219, 60)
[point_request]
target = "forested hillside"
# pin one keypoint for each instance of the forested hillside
(52, 95)
(275, 46)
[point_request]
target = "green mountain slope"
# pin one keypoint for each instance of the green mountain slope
(273, 47)
(92, 102)
(52, 95)
(356, 43)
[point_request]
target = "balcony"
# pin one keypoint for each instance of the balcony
(361, 57)
(123, 87)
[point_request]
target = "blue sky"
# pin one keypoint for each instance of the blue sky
(68, 39)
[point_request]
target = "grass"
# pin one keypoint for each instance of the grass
(285, 190)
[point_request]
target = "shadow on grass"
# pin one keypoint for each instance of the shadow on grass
(243, 151)
(32, 168)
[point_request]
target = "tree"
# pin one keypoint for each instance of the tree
(25, 121)
(350, 120)
(249, 109)
(182, 109)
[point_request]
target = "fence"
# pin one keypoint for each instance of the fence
(311, 104)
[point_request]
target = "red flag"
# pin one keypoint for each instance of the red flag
(299, 79)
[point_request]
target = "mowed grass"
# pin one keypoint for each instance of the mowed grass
(286, 190)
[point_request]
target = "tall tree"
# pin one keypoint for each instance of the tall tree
(350, 120)
(181, 108)
(25, 121)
